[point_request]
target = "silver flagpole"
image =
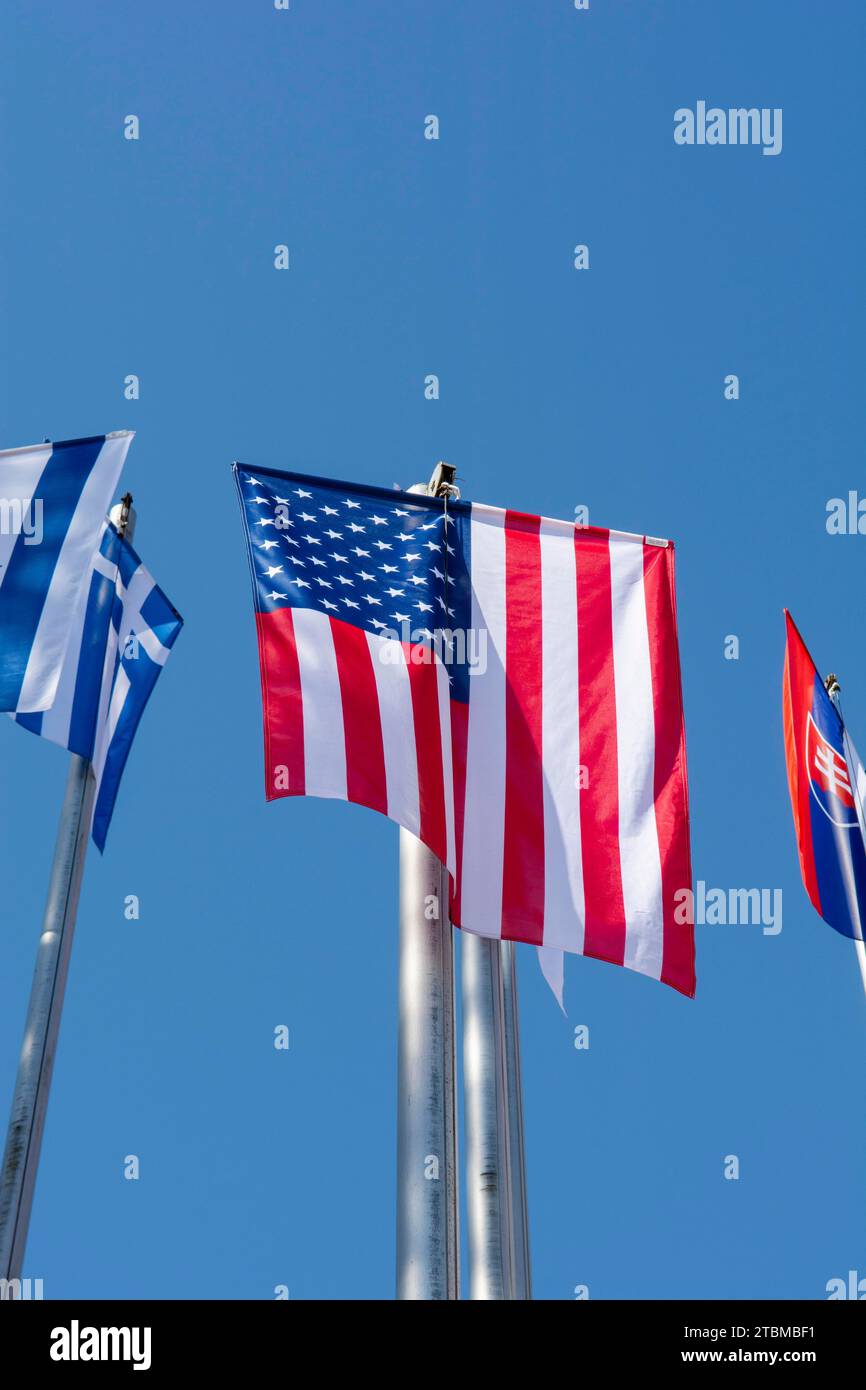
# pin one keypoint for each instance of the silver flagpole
(514, 1092)
(428, 1255)
(33, 1083)
(488, 1178)
(834, 690)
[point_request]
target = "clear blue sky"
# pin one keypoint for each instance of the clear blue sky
(558, 387)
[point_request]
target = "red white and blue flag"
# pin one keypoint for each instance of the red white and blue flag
(826, 782)
(505, 686)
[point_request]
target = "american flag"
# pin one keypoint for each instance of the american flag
(505, 686)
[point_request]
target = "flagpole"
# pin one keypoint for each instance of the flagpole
(428, 1242)
(488, 1175)
(38, 1050)
(522, 1277)
(834, 690)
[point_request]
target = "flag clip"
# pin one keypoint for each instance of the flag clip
(654, 540)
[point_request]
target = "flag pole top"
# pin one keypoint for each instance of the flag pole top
(832, 687)
(122, 516)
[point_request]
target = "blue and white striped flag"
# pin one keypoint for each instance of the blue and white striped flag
(121, 632)
(53, 499)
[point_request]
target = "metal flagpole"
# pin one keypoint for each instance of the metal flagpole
(488, 1176)
(834, 690)
(428, 1256)
(522, 1279)
(33, 1083)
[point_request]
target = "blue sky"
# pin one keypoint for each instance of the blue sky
(601, 387)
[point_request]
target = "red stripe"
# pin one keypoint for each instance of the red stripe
(459, 741)
(282, 704)
(798, 686)
(366, 784)
(428, 748)
(671, 790)
(599, 802)
(523, 862)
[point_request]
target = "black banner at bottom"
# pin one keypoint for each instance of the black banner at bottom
(158, 1338)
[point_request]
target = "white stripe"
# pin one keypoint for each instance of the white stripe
(564, 904)
(107, 727)
(484, 818)
(444, 693)
(20, 471)
(56, 720)
(398, 730)
(71, 571)
(640, 860)
(324, 734)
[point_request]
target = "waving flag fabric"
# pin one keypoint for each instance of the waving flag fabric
(826, 783)
(507, 687)
(121, 632)
(53, 499)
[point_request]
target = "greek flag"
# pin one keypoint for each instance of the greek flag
(121, 632)
(53, 498)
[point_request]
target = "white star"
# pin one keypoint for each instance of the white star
(449, 548)
(362, 574)
(374, 622)
(379, 520)
(302, 583)
(258, 501)
(409, 556)
(398, 512)
(438, 573)
(283, 501)
(341, 579)
(353, 526)
(400, 617)
(306, 516)
(324, 583)
(334, 535)
(274, 595)
(266, 521)
(296, 561)
(349, 604)
(268, 545)
(299, 492)
(356, 550)
(406, 539)
(290, 540)
(314, 560)
(383, 545)
(347, 502)
(389, 569)
(430, 526)
(312, 540)
(255, 482)
(272, 570)
(371, 599)
(431, 545)
(396, 593)
(416, 580)
(330, 511)
(425, 607)
(342, 559)
(333, 606)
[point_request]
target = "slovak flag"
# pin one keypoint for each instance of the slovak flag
(826, 781)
